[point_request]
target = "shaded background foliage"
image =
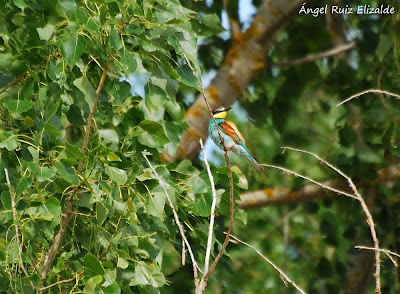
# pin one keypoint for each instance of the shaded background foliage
(122, 237)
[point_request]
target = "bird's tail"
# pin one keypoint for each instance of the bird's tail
(256, 164)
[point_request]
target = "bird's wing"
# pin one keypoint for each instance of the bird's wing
(230, 129)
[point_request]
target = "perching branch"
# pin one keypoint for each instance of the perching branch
(364, 206)
(178, 223)
(66, 216)
(206, 275)
(313, 57)
(212, 215)
(283, 276)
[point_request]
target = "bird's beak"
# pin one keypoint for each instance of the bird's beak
(228, 108)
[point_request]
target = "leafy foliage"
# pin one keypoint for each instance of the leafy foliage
(121, 237)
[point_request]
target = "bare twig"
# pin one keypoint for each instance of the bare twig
(377, 91)
(15, 218)
(58, 283)
(32, 260)
(212, 216)
(178, 223)
(312, 57)
(205, 277)
(290, 172)
(274, 196)
(283, 276)
(365, 208)
(66, 216)
(387, 252)
(91, 113)
(17, 80)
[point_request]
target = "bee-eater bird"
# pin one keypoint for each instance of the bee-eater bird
(233, 139)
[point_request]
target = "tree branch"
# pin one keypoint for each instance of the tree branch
(17, 80)
(377, 91)
(66, 216)
(15, 218)
(283, 276)
(387, 252)
(212, 214)
(313, 57)
(204, 279)
(365, 208)
(275, 196)
(57, 283)
(178, 223)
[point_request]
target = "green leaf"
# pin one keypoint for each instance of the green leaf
(8, 140)
(186, 77)
(17, 106)
(128, 61)
(143, 276)
(156, 203)
(347, 136)
(45, 32)
(173, 131)
(54, 207)
(184, 42)
(51, 129)
(200, 184)
(74, 116)
(202, 205)
(73, 48)
(67, 172)
(122, 263)
(212, 21)
(171, 258)
(112, 289)
(29, 122)
(119, 91)
(68, 5)
(154, 135)
(116, 174)
(45, 173)
(86, 88)
(7, 205)
(384, 46)
(101, 213)
(111, 156)
(109, 136)
(20, 4)
(174, 109)
(370, 155)
(155, 97)
(92, 266)
(73, 151)
(35, 154)
(115, 40)
(186, 167)
(23, 185)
